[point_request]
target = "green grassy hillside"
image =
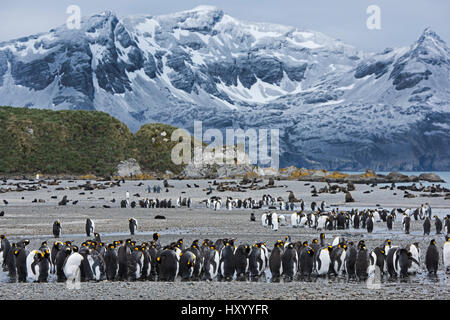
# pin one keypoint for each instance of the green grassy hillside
(77, 143)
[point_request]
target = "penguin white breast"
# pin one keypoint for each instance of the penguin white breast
(446, 254)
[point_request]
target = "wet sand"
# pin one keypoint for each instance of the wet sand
(24, 219)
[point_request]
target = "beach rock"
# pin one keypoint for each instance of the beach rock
(397, 177)
(430, 177)
(128, 168)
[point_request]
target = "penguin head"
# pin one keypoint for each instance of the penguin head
(329, 248)
(311, 252)
(16, 252)
(447, 238)
(315, 241)
(112, 245)
(75, 249)
(3, 236)
(155, 236)
(305, 243)
(433, 242)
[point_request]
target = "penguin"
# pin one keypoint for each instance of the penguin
(252, 217)
(315, 245)
(72, 267)
(97, 237)
(258, 261)
(57, 229)
(265, 219)
(447, 225)
(356, 221)
(322, 221)
(135, 263)
(21, 264)
(398, 261)
(187, 262)
(168, 265)
(57, 246)
(432, 257)
(122, 255)
(242, 257)
(32, 261)
(274, 221)
(44, 266)
(415, 253)
(61, 257)
(389, 222)
(369, 223)
(133, 225)
(5, 247)
(275, 264)
(350, 260)
(426, 226)
(289, 262)
(146, 263)
(90, 227)
(446, 254)
(338, 240)
(199, 259)
(212, 261)
(380, 258)
(438, 224)
(111, 262)
(97, 264)
(322, 261)
(156, 241)
(337, 258)
(406, 223)
(362, 263)
(227, 265)
(306, 261)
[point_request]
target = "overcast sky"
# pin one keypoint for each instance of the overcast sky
(402, 21)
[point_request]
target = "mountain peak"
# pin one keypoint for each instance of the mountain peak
(429, 37)
(205, 8)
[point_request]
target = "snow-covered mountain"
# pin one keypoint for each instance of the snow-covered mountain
(336, 107)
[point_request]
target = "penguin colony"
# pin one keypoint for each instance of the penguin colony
(222, 260)
(365, 219)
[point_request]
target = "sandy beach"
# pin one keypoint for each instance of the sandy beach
(25, 219)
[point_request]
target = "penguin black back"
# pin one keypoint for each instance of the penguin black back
(432, 257)
(275, 263)
(426, 226)
(21, 265)
(242, 256)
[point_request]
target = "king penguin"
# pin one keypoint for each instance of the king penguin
(133, 225)
(432, 257)
(90, 227)
(446, 254)
(57, 229)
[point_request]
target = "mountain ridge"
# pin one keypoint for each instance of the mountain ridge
(336, 107)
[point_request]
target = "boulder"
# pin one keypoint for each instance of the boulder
(128, 168)
(430, 177)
